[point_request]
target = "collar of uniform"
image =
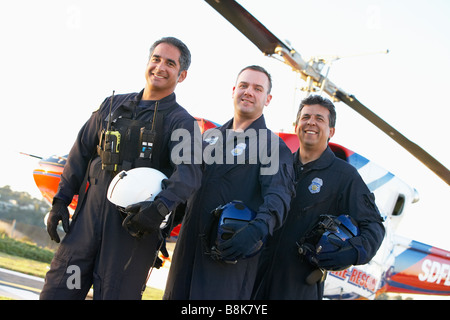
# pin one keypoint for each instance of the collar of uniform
(133, 101)
(324, 161)
(164, 103)
(259, 123)
(128, 107)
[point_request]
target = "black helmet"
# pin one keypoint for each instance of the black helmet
(317, 240)
(237, 212)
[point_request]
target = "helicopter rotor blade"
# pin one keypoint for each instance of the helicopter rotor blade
(269, 44)
(248, 25)
(407, 144)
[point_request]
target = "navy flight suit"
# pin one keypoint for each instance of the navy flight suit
(339, 189)
(193, 273)
(97, 245)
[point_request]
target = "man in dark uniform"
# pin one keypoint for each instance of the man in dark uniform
(195, 272)
(324, 185)
(97, 250)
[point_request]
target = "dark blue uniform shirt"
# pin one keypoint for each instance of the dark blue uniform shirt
(194, 274)
(108, 257)
(327, 185)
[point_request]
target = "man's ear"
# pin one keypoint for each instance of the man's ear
(268, 99)
(182, 76)
(332, 130)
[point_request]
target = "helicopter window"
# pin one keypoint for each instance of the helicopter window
(399, 205)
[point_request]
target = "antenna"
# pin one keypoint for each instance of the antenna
(110, 115)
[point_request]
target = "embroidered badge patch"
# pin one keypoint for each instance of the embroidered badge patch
(315, 185)
(211, 140)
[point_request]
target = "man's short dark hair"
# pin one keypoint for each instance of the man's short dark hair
(324, 102)
(260, 69)
(185, 54)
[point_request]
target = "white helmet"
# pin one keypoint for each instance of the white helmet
(135, 185)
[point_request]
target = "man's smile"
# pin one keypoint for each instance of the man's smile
(158, 76)
(245, 100)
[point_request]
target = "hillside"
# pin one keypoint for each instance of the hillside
(20, 206)
(22, 217)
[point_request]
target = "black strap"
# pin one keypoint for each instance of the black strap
(159, 139)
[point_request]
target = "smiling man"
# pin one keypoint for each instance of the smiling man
(163, 71)
(325, 185)
(314, 128)
(250, 95)
(109, 252)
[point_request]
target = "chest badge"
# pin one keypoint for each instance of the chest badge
(240, 147)
(315, 185)
(211, 140)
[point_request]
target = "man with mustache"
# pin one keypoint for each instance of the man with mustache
(325, 185)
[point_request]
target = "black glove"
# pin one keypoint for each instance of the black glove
(144, 217)
(163, 249)
(158, 261)
(345, 256)
(59, 212)
(244, 241)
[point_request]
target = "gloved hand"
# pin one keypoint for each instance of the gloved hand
(244, 241)
(345, 256)
(59, 212)
(158, 261)
(144, 217)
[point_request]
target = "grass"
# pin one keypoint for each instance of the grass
(26, 257)
(24, 265)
